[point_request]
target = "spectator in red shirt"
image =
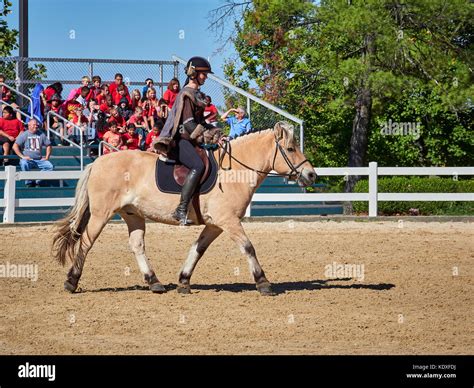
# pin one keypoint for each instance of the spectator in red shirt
(95, 88)
(104, 92)
(172, 92)
(4, 91)
(120, 94)
(113, 87)
(54, 105)
(116, 117)
(155, 132)
(150, 106)
(10, 128)
(74, 93)
(163, 109)
(56, 88)
(210, 112)
(131, 140)
(107, 105)
(136, 99)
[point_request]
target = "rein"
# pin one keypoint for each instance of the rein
(294, 173)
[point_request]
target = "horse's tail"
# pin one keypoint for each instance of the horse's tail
(68, 235)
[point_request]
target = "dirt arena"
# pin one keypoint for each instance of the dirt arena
(416, 295)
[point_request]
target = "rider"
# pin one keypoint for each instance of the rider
(187, 127)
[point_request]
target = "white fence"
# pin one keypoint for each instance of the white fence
(10, 175)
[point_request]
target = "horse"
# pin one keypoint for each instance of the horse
(124, 183)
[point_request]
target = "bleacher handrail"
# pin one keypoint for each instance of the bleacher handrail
(102, 143)
(49, 129)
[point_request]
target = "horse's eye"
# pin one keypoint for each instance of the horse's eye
(290, 149)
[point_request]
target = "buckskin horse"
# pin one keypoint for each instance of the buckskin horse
(123, 183)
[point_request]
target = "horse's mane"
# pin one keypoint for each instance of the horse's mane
(287, 128)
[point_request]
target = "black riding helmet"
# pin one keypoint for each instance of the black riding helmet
(200, 64)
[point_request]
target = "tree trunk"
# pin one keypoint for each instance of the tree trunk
(360, 129)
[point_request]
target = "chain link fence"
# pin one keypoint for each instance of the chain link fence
(25, 73)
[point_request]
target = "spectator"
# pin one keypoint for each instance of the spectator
(141, 124)
(116, 117)
(113, 138)
(54, 105)
(136, 99)
(154, 133)
(83, 96)
(239, 125)
(163, 109)
(10, 128)
(150, 106)
(81, 121)
(56, 88)
(74, 93)
(107, 105)
(124, 109)
(210, 112)
(113, 87)
(5, 93)
(121, 94)
(104, 92)
(148, 84)
(29, 146)
(131, 140)
(92, 114)
(172, 92)
(95, 87)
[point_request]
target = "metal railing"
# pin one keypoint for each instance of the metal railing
(263, 119)
(102, 143)
(49, 129)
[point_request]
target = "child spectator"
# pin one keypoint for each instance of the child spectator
(136, 99)
(113, 138)
(172, 92)
(141, 124)
(154, 134)
(116, 117)
(163, 109)
(104, 92)
(148, 84)
(54, 105)
(107, 105)
(95, 88)
(82, 98)
(210, 112)
(6, 94)
(131, 140)
(121, 94)
(113, 87)
(92, 114)
(10, 128)
(124, 109)
(81, 121)
(74, 93)
(47, 94)
(150, 106)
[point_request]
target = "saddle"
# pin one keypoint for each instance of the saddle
(170, 174)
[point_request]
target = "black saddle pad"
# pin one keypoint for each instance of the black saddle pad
(166, 183)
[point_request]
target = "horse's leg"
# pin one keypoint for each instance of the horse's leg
(136, 231)
(207, 236)
(91, 232)
(238, 235)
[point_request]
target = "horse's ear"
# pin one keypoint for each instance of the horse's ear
(278, 129)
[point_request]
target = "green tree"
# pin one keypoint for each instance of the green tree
(347, 67)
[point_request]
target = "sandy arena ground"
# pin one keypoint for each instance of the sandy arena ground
(416, 296)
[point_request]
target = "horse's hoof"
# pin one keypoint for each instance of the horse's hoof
(183, 290)
(266, 289)
(68, 286)
(157, 288)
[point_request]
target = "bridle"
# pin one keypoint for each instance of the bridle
(294, 174)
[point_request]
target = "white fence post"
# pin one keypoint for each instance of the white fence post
(373, 189)
(9, 195)
(247, 211)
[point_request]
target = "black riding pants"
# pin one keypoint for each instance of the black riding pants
(189, 157)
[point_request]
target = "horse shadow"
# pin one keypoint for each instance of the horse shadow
(278, 288)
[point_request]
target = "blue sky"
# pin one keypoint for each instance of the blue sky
(122, 29)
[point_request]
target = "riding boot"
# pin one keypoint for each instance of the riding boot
(189, 187)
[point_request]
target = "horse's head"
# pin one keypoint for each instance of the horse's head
(288, 158)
